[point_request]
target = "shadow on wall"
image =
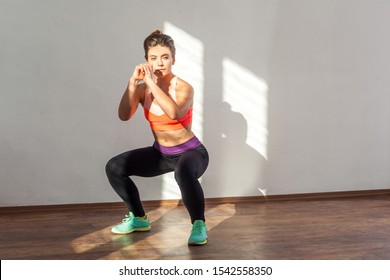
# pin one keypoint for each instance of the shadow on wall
(241, 165)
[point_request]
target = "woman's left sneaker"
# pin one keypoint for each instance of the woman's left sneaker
(198, 234)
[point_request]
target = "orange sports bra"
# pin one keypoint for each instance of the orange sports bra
(156, 116)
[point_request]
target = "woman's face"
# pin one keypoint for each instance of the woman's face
(161, 59)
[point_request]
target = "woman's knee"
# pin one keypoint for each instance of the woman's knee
(114, 167)
(184, 175)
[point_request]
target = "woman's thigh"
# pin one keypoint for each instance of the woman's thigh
(193, 163)
(144, 162)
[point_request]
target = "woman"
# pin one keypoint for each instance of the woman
(167, 101)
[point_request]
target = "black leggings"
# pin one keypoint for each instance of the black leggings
(149, 162)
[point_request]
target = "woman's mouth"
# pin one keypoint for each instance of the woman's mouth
(159, 71)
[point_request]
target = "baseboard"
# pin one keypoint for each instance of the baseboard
(209, 201)
(302, 196)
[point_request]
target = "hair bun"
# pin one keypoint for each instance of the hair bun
(157, 32)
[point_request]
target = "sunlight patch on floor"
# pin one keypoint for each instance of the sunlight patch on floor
(218, 214)
(83, 243)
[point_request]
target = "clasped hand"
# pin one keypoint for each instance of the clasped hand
(144, 72)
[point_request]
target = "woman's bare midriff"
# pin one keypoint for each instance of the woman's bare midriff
(170, 138)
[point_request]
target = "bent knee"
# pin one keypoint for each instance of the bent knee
(114, 167)
(184, 175)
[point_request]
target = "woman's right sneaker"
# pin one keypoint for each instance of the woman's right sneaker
(131, 223)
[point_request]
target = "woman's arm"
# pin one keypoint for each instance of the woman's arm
(174, 110)
(131, 97)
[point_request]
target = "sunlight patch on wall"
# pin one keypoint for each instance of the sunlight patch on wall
(247, 94)
(189, 67)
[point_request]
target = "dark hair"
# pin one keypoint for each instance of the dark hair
(159, 38)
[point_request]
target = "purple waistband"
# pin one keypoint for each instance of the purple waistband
(181, 148)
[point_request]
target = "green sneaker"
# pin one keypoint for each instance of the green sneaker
(131, 223)
(198, 234)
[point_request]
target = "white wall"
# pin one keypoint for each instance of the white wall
(295, 95)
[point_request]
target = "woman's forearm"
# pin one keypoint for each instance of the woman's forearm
(166, 103)
(129, 101)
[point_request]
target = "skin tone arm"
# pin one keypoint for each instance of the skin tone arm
(131, 97)
(184, 95)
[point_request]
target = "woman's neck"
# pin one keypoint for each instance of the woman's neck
(165, 80)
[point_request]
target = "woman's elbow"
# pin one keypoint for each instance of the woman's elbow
(123, 117)
(174, 115)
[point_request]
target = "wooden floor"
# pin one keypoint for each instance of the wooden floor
(320, 229)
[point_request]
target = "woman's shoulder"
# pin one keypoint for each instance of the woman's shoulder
(183, 85)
